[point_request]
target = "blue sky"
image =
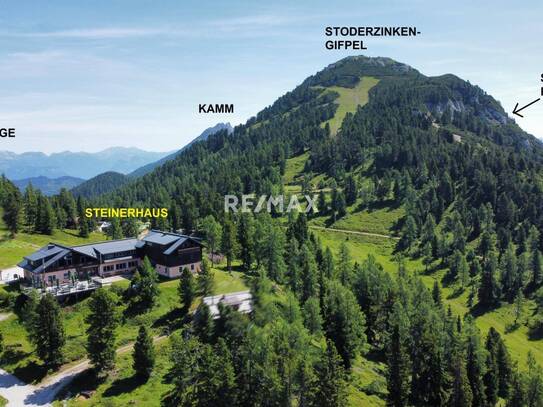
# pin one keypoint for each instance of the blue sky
(84, 76)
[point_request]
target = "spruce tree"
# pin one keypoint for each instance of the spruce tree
(331, 378)
(475, 365)
(206, 279)
(344, 322)
(344, 268)
(30, 206)
(212, 232)
(46, 216)
(102, 323)
(312, 316)
(12, 209)
(461, 394)
(246, 240)
(186, 289)
(147, 289)
(49, 335)
(489, 290)
(229, 244)
(491, 377)
(398, 360)
(144, 354)
(115, 230)
(203, 323)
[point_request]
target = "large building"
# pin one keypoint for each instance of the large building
(57, 264)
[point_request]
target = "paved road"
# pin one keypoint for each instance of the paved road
(354, 232)
(43, 394)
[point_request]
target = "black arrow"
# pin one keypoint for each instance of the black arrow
(516, 111)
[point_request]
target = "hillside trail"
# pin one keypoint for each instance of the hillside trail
(18, 393)
(354, 232)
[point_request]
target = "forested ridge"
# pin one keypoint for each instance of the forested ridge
(470, 183)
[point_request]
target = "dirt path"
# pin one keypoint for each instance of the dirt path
(354, 232)
(20, 394)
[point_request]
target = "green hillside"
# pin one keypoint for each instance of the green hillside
(419, 281)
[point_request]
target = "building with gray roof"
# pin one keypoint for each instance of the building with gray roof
(56, 264)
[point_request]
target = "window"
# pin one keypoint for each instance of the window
(192, 266)
(120, 266)
(108, 268)
(66, 275)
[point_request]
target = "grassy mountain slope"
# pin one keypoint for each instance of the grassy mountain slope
(349, 100)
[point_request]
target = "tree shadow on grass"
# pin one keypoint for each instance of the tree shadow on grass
(32, 372)
(12, 355)
(479, 310)
(173, 319)
(84, 381)
(126, 385)
(456, 293)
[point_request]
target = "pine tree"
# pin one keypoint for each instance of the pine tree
(147, 286)
(229, 244)
(508, 272)
(312, 316)
(115, 231)
(186, 289)
(331, 378)
(12, 209)
(344, 322)
(49, 335)
(461, 394)
(351, 191)
(517, 397)
(344, 268)
(436, 294)
(274, 259)
(246, 239)
(83, 228)
(206, 279)
(203, 323)
(143, 354)
(491, 377)
(212, 232)
(102, 323)
(30, 206)
(409, 232)
(534, 382)
(398, 361)
(46, 216)
(489, 290)
(475, 365)
(308, 274)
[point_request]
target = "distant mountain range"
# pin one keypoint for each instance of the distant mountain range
(111, 180)
(205, 134)
(79, 165)
(88, 174)
(49, 186)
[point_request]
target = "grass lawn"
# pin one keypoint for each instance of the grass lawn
(349, 99)
(13, 250)
(379, 220)
(20, 359)
(294, 168)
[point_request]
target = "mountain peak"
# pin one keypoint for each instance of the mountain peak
(347, 71)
